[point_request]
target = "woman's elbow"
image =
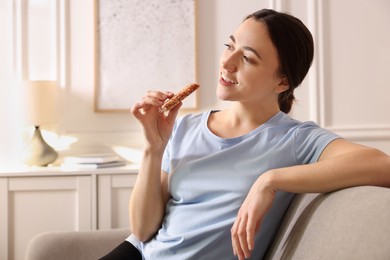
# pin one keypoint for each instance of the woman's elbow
(382, 167)
(142, 235)
(386, 173)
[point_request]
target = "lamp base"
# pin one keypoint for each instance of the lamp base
(38, 152)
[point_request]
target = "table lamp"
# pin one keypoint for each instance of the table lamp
(41, 107)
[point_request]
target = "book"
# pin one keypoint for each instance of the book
(91, 166)
(92, 158)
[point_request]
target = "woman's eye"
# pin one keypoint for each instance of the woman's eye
(247, 59)
(228, 46)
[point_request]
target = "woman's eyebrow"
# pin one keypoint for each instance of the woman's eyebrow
(246, 47)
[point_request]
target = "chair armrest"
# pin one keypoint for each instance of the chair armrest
(75, 244)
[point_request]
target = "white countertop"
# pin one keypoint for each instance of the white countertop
(24, 171)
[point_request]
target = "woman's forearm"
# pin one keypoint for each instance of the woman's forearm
(147, 202)
(342, 164)
(364, 166)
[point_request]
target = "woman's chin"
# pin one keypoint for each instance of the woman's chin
(222, 94)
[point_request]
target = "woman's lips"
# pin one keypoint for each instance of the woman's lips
(226, 81)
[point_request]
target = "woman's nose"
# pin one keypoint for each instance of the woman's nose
(229, 63)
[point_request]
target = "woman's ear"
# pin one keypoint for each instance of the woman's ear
(283, 85)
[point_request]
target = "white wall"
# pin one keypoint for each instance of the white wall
(346, 90)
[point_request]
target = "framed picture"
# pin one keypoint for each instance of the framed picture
(140, 46)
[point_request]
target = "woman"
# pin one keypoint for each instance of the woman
(216, 185)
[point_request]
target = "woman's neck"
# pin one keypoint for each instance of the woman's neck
(236, 121)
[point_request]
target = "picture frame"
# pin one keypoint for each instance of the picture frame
(140, 46)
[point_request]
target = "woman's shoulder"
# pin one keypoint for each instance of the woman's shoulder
(283, 119)
(307, 131)
(285, 124)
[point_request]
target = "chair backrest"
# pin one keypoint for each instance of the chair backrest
(352, 223)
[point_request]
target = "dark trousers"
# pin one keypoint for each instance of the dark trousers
(125, 251)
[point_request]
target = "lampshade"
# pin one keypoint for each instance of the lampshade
(41, 102)
(41, 107)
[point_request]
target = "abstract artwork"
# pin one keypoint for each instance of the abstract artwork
(143, 45)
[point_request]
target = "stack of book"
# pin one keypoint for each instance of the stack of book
(92, 161)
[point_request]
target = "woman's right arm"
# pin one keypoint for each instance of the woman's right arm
(149, 197)
(150, 194)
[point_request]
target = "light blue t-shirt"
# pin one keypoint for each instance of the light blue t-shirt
(209, 178)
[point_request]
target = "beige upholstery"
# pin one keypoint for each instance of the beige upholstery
(75, 245)
(352, 223)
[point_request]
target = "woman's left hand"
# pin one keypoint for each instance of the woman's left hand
(249, 218)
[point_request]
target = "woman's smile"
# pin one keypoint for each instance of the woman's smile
(224, 80)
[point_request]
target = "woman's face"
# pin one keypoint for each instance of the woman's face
(249, 67)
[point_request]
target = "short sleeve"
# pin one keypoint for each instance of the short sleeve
(310, 141)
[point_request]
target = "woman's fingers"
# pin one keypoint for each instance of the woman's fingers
(249, 218)
(243, 237)
(240, 238)
(151, 99)
(136, 109)
(156, 98)
(237, 250)
(172, 114)
(157, 126)
(251, 229)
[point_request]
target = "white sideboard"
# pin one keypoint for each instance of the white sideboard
(48, 199)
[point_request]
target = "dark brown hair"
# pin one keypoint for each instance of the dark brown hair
(295, 47)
